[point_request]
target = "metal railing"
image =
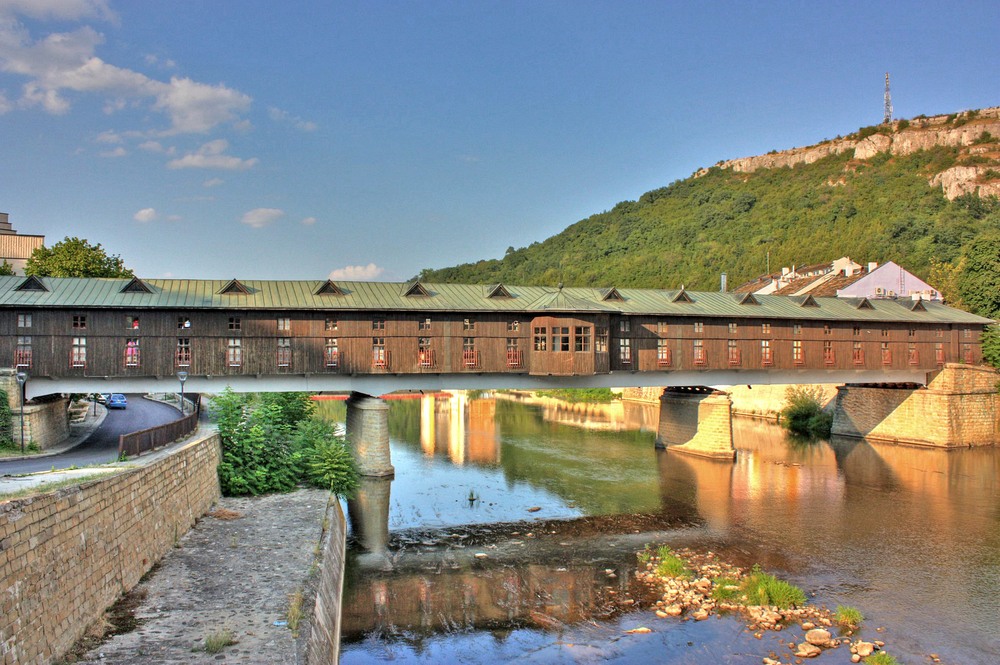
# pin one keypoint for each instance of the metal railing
(144, 440)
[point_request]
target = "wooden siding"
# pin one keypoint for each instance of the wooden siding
(209, 331)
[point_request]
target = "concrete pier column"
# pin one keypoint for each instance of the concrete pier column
(368, 434)
(369, 512)
(697, 422)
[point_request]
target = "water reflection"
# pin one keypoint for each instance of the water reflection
(911, 536)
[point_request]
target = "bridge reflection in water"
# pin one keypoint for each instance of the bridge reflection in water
(843, 517)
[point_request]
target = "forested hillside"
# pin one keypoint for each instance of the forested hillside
(876, 209)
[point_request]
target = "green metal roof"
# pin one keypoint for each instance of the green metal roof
(193, 294)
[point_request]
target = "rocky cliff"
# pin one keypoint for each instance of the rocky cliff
(975, 133)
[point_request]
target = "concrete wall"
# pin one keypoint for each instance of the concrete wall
(45, 424)
(959, 407)
(67, 555)
(697, 424)
(324, 635)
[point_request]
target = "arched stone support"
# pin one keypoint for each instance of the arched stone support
(697, 423)
(368, 434)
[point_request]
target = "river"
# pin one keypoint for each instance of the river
(510, 533)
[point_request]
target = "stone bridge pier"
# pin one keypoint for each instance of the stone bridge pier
(368, 434)
(696, 421)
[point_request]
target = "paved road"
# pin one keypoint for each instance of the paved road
(101, 446)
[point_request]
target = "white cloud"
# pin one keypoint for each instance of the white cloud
(308, 221)
(258, 218)
(109, 137)
(58, 9)
(278, 115)
(117, 152)
(5, 105)
(212, 182)
(67, 62)
(370, 271)
(211, 156)
(145, 215)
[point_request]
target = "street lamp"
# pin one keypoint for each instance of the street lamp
(22, 378)
(182, 376)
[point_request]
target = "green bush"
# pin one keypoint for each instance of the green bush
(329, 462)
(6, 427)
(804, 414)
(670, 565)
(991, 346)
(848, 617)
(881, 658)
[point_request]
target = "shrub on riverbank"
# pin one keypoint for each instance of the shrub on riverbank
(848, 617)
(762, 588)
(271, 443)
(804, 414)
(599, 395)
(670, 565)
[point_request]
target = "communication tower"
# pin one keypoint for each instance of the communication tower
(887, 118)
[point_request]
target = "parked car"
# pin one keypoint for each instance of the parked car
(101, 398)
(117, 401)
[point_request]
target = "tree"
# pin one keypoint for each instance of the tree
(980, 283)
(6, 268)
(75, 257)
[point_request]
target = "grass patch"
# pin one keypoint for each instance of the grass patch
(44, 488)
(670, 565)
(881, 658)
(762, 588)
(848, 617)
(726, 589)
(216, 642)
(295, 613)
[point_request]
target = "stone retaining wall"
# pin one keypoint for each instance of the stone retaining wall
(324, 630)
(68, 555)
(959, 407)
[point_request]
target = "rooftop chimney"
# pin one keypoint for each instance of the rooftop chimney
(872, 265)
(722, 285)
(5, 227)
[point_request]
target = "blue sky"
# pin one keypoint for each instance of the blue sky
(369, 140)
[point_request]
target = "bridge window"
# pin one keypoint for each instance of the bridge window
(967, 333)
(796, 328)
(331, 354)
(828, 357)
(468, 324)
(235, 323)
(330, 324)
(424, 324)
(378, 323)
(601, 341)
(661, 327)
(858, 354)
(732, 327)
(765, 328)
(183, 354)
(699, 327)
(513, 353)
(663, 353)
(79, 322)
(826, 329)
(513, 326)
(425, 355)
(939, 333)
(78, 354)
(911, 333)
(797, 356)
(582, 338)
(886, 354)
(625, 351)
(379, 356)
(939, 353)
(234, 352)
(183, 322)
(24, 320)
(857, 330)
(284, 323)
(541, 339)
(132, 322)
(885, 332)
(699, 352)
(912, 356)
(624, 326)
(22, 354)
(284, 351)
(766, 358)
(967, 354)
(560, 338)
(470, 357)
(132, 352)
(734, 353)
